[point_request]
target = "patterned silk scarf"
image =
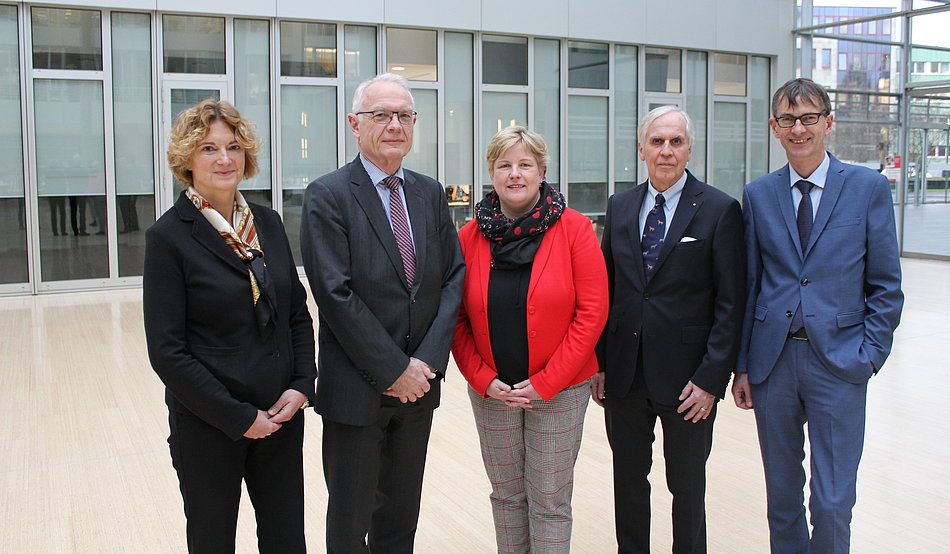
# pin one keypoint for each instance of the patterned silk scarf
(514, 242)
(241, 235)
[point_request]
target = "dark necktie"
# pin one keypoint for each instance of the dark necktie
(804, 233)
(397, 214)
(652, 238)
(804, 212)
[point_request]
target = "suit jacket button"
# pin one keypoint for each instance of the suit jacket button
(533, 334)
(635, 335)
(804, 282)
(788, 314)
(646, 296)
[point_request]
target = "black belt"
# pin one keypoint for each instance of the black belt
(799, 335)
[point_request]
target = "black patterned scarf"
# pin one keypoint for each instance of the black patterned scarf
(514, 242)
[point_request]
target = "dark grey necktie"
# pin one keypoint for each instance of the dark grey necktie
(805, 220)
(805, 223)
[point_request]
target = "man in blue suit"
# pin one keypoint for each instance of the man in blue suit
(824, 299)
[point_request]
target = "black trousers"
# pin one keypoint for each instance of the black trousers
(374, 480)
(631, 420)
(210, 469)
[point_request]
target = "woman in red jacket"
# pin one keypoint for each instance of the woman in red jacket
(533, 307)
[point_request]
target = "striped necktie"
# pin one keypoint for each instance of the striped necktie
(400, 224)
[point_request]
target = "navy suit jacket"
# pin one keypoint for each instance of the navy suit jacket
(202, 336)
(371, 322)
(848, 280)
(687, 319)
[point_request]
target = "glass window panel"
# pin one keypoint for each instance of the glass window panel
(424, 156)
(504, 60)
(547, 101)
(66, 39)
(859, 66)
(134, 156)
(928, 171)
(696, 101)
(193, 44)
(252, 98)
(359, 64)
(729, 125)
(499, 110)
(12, 207)
(459, 123)
(662, 71)
(862, 122)
(412, 54)
(587, 153)
(730, 72)
(308, 145)
(926, 64)
(307, 49)
(70, 169)
(588, 64)
(625, 117)
(759, 112)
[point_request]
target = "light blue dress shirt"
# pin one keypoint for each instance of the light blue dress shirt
(817, 178)
(670, 195)
(376, 175)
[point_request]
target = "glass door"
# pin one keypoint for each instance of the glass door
(177, 97)
(926, 221)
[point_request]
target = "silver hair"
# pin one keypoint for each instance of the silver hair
(655, 114)
(387, 77)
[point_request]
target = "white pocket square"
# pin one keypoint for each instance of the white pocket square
(688, 239)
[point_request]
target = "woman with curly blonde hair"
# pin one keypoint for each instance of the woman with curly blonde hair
(229, 335)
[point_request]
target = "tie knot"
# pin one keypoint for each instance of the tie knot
(805, 186)
(392, 182)
(660, 201)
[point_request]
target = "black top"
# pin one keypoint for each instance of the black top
(508, 321)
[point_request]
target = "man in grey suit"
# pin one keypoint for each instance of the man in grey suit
(384, 264)
(824, 299)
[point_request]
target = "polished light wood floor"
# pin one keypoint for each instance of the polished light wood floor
(84, 465)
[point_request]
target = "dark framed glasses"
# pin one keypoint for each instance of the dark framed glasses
(786, 121)
(383, 117)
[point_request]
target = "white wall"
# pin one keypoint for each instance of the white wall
(759, 26)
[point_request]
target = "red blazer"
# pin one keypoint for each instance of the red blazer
(567, 307)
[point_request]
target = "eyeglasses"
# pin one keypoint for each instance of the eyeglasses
(383, 117)
(786, 121)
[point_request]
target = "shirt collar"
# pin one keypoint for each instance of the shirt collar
(671, 193)
(376, 175)
(817, 177)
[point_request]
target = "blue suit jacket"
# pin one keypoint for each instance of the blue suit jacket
(848, 278)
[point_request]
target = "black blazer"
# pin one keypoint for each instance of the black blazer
(370, 321)
(202, 336)
(688, 319)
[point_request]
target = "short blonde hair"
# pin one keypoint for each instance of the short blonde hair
(193, 125)
(510, 136)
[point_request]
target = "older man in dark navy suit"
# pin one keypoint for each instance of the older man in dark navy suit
(676, 268)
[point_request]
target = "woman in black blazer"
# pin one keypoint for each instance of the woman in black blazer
(229, 334)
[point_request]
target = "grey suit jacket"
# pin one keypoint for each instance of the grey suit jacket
(371, 322)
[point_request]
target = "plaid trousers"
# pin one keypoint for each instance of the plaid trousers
(529, 456)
